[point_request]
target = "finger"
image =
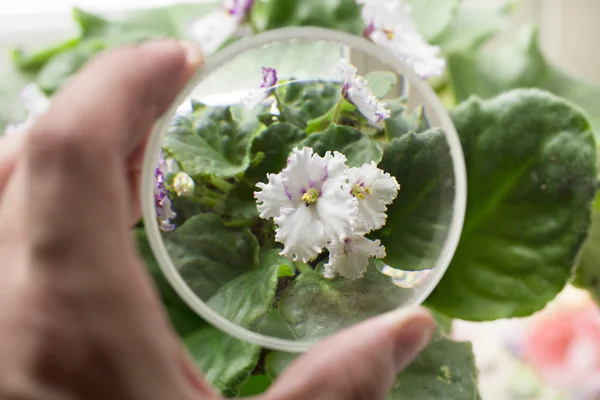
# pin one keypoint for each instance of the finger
(10, 149)
(76, 155)
(360, 362)
(67, 207)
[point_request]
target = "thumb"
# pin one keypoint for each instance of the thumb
(360, 362)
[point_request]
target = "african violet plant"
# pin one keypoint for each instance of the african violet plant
(530, 158)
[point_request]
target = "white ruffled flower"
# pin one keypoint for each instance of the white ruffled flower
(357, 92)
(375, 190)
(390, 25)
(350, 258)
(212, 31)
(255, 97)
(308, 203)
(36, 103)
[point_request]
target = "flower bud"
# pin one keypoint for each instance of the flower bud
(183, 185)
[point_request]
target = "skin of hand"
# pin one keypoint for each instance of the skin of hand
(79, 317)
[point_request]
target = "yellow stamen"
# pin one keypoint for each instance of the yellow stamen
(310, 196)
(389, 33)
(360, 192)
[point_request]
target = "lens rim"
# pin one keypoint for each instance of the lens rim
(227, 55)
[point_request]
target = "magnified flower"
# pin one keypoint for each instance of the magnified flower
(356, 91)
(164, 212)
(36, 103)
(390, 25)
(257, 96)
(308, 203)
(350, 258)
(212, 31)
(375, 190)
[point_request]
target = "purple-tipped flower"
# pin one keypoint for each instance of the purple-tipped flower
(390, 24)
(213, 30)
(356, 91)
(164, 212)
(239, 8)
(257, 96)
(269, 77)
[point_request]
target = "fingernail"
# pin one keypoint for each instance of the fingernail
(194, 55)
(413, 330)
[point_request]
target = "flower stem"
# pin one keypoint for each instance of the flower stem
(252, 24)
(337, 112)
(279, 103)
(220, 184)
(303, 268)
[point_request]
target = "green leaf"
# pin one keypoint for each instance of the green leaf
(444, 370)
(184, 320)
(588, 271)
(34, 61)
(343, 15)
(472, 27)
(275, 143)
(277, 362)
(520, 64)
(90, 24)
(314, 307)
(422, 166)
(210, 142)
(257, 384)
(58, 62)
(357, 148)
(381, 83)
(240, 202)
(209, 255)
(224, 361)
(306, 101)
(248, 299)
(62, 66)
(432, 17)
(530, 160)
(401, 122)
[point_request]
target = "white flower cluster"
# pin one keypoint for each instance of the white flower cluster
(390, 25)
(320, 203)
(357, 92)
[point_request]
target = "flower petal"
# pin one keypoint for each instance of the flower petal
(272, 197)
(254, 98)
(212, 31)
(301, 233)
(336, 165)
(382, 185)
(350, 258)
(337, 209)
(380, 189)
(305, 170)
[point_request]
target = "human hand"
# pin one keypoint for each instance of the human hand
(79, 317)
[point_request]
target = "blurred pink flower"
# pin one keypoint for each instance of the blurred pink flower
(563, 346)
